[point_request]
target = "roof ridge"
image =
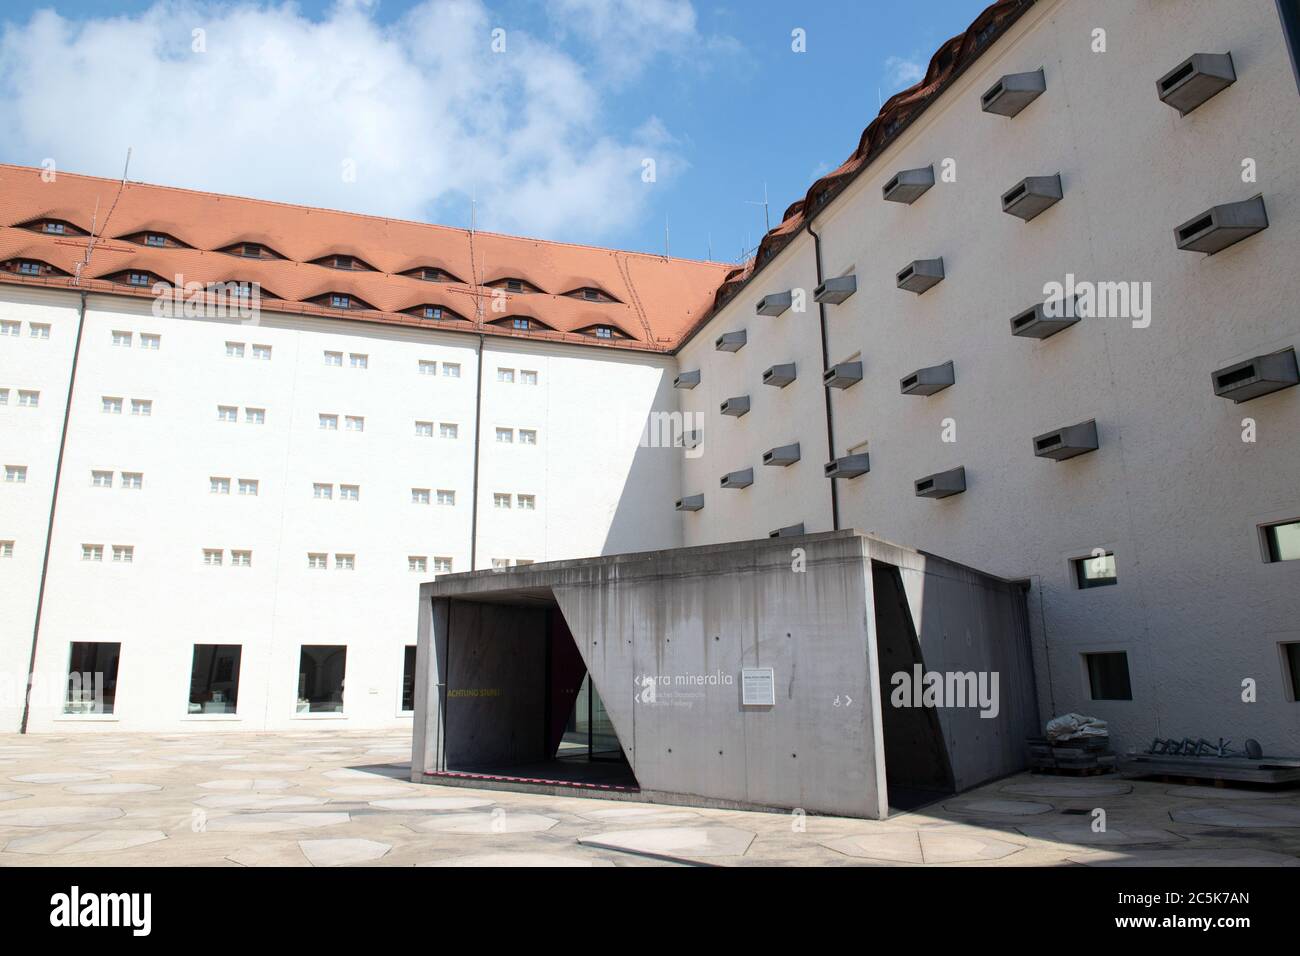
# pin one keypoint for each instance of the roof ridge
(369, 216)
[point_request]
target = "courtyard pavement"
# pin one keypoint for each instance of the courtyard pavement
(334, 799)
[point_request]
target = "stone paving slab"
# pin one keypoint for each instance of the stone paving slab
(125, 799)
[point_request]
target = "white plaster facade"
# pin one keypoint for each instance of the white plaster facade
(1173, 490)
(595, 491)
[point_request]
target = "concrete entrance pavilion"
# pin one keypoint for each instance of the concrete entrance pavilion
(674, 643)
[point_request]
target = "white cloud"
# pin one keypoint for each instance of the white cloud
(902, 72)
(624, 35)
(278, 103)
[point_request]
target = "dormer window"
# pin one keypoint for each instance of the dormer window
(514, 285)
(520, 325)
(589, 293)
(251, 250)
(340, 301)
(431, 274)
(138, 278)
(342, 262)
(30, 267)
(603, 332)
(154, 239)
(53, 227)
(432, 312)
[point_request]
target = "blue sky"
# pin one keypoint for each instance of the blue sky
(405, 108)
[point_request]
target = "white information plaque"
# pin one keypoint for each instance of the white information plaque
(757, 687)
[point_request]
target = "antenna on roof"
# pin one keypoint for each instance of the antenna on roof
(667, 248)
(710, 240)
(473, 266)
(767, 220)
(96, 233)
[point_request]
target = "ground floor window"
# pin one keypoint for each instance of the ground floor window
(1108, 676)
(408, 678)
(1291, 658)
(320, 678)
(214, 678)
(92, 677)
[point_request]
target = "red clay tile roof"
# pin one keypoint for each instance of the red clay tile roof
(658, 299)
(948, 62)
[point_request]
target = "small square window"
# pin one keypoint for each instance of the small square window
(1282, 541)
(519, 324)
(514, 285)
(28, 399)
(227, 413)
(150, 342)
(213, 557)
(262, 353)
(40, 331)
(527, 502)
(110, 406)
(604, 332)
(29, 268)
(323, 491)
(101, 479)
(248, 487)
(241, 559)
(153, 239)
(234, 350)
(442, 565)
(345, 562)
(92, 552)
(329, 423)
(356, 423)
(219, 486)
(506, 436)
(1095, 572)
(527, 436)
(16, 474)
(53, 228)
(349, 492)
(123, 553)
(428, 367)
(4, 396)
(419, 496)
(1108, 676)
(122, 339)
(432, 312)
(6, 549)
(424, 429)
(451, 369)
(446, 496)
(133, 480)
(334, 358)
(505, 375)
(14, 329)
(142, 407)
(416, 563)
(255, 416)
(357, 360)
(527, 377)
(500, 563)
(501, 501)
(317, 562)
(340, 301)
(251, 251)
(137, 278)
(448, 430)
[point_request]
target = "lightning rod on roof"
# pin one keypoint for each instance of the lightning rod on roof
(95, 231)
(767, 220)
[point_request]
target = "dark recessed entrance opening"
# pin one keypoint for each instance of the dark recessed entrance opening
(520, 705)
(917, 768)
